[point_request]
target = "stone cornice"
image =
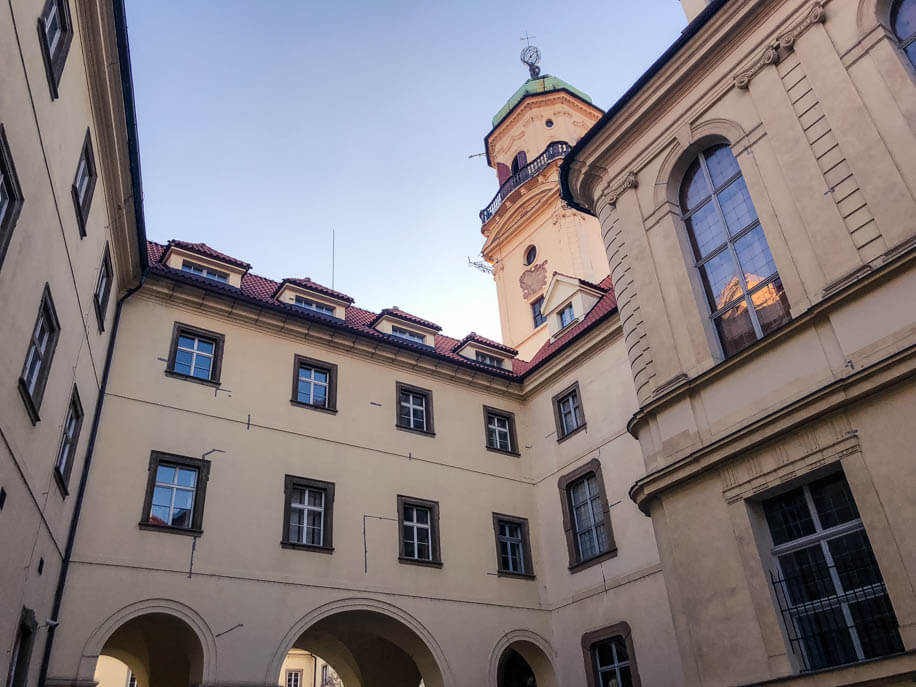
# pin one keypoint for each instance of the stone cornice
(612, 194)
(777, 50)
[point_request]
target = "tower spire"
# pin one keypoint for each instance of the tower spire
(530, 56)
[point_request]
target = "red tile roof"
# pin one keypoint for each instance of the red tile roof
(204, 249)
(407, 317)
(310, 285)
(477, 338)
(261, 290)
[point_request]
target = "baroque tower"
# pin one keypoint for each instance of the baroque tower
(529, 231)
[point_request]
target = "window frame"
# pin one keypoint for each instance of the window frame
(202, 466)
(62, 477)
(537, 312)
(409, 388)
(289, 483)
(591, 639)
(56, 60)
(314, 306)
(205, 272)
(32, 399)
(513, 440)
(522, 523)
(488, 359)
(331, 370)
(26, 629)
(100, 301)
(405, 334)
(564, 484)
(901, 42)
(434, 542)
(10, 179)
(558, 416)
(290, 672)
(84, 205)
(219, 343)
(572, 315)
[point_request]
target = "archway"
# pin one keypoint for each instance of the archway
(522, 659)
(160, 650)
(368, 647)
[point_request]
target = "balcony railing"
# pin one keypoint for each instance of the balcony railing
(553, 151)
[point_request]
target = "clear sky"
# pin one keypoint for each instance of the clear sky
(265, 123)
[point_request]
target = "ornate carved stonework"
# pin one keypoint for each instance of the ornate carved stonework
(778, 49)
(533, 280)
(629, 181)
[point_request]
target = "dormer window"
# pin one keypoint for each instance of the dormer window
(488, 359)
(200, 270)
(409, 335)
(312, 305)
(567, 315)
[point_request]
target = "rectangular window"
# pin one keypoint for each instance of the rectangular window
(567, 412)
(324, 675)
(309, 509)
(293, 678)
(500, 430)
(39, 356)
(488, 359)
(409, 335)
(70, 435)
(196, 353)
(201, 271)
(586, 516)
(10, 194)
(314, 383)
(131, 679)
(415, 408)
(828, 585)
(102, 290)
(567, 315)
(418, 522)
(536, 314)
(175, 493)
(84, 184)
(21, 654)
(513, 548)
(312, 305)
(609, 657)
(55, 31)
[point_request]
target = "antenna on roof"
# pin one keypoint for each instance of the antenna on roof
(332, 257)
(480, 266)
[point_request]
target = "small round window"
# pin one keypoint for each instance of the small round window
(548, 123)
(530, 254)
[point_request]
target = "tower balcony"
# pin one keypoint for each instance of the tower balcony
(557, 149)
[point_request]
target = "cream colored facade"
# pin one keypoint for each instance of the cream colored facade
(50, 252)
(818, 105)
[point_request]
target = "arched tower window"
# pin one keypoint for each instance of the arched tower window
(732, 256)
(519, 161)
(903, 22)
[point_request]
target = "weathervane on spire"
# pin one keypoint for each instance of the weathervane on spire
(531, 56)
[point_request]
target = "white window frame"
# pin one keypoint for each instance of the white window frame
(102, 283)
(41, 336)
(314, 305)
(6, 198)
(293, 678)
(499, 432)
(402, 333)
(304, 508)
(203, 271)
(517, 541)
(71, 424)
(569, 406)
(176, 487)
(567, 315)
(195, 353)
(614, 667)
(52, 40)
(411, 404)
(596, 514)
(487, 359)
(310, 379)
(415, 526)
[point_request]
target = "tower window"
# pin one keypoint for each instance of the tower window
(531, 252)
(903, 21)
(536, 314)
(520, 160)
(743, 288)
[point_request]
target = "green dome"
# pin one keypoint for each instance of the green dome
(542, 84)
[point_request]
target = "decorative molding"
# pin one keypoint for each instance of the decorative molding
(533, 280)
(784, 44)
(629, 181)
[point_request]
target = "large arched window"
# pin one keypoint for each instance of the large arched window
(737, 271)
(903, 21)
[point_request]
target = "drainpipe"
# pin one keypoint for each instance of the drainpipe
(84, 478)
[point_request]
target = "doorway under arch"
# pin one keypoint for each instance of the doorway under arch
(524, 664)
(368, 648)
(160, 650)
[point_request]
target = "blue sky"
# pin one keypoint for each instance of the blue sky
(266, 123)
